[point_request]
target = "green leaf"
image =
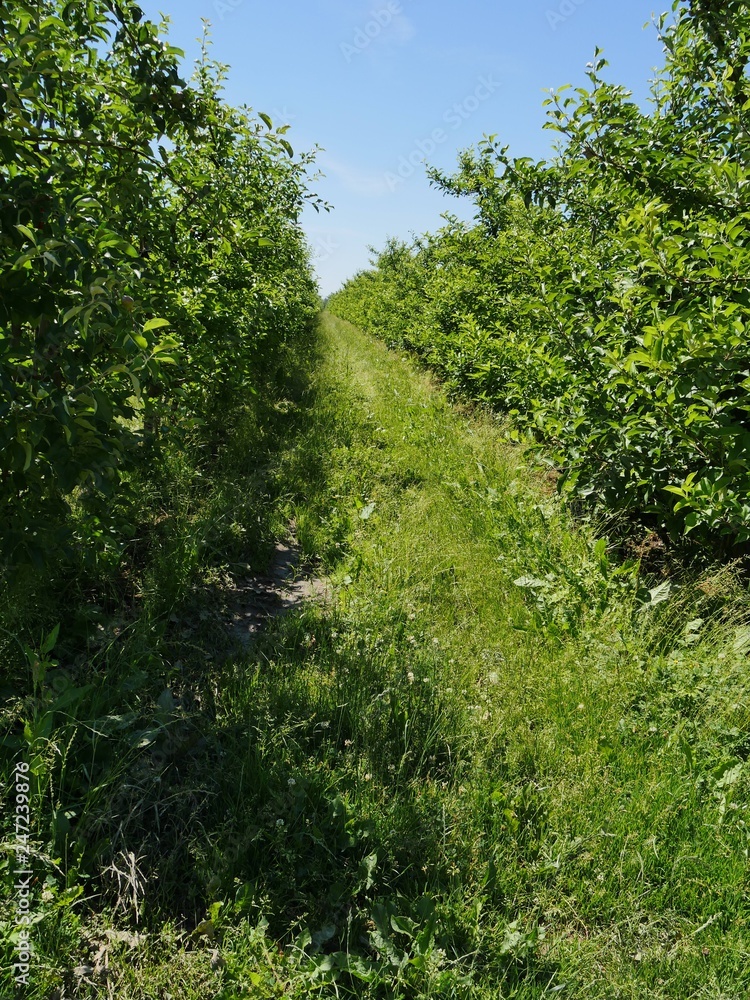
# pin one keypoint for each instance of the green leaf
(741, 642)
(28, 233)
(29, 455)
(155, 324)
(8, 150)
(529, 582)
(662, 593)
(50, 641)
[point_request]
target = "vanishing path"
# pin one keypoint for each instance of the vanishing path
(479, 769)
(572, 800)
(461, 516)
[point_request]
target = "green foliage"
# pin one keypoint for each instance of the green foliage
(601, 298)
(151, 266)
(491, 763)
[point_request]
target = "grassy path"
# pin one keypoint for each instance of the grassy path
(545, 785)
(493, 766)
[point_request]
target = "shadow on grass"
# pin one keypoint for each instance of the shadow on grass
(313, 782)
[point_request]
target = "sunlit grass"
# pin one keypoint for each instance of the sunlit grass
(492, 766)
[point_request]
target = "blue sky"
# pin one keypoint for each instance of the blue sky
(383, 84)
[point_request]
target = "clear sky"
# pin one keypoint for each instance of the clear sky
(384, 84)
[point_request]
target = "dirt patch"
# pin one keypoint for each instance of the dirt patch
(284, 588)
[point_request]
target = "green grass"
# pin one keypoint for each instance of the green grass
(494, 766)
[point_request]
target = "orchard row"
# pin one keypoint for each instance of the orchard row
(601, 299)
(152, 269)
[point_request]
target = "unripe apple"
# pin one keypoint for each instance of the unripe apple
(128, 303)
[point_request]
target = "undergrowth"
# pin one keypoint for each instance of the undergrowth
(500, 762)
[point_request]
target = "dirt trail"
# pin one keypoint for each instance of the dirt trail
(284, 588)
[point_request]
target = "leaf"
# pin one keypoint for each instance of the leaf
(155, 324)
(366, 513)
(72, 696)
(28, 233)
(357, 967)
(403, 925)
(530, 582)
(741, 642)
(51, 640)
(205, 929)
(166, 345)
(29, 455)
(727, 773)
(266, 119)
(367, 868)
(166, 701)
(323, 936)
(8, 150)
(103, 405)
(73, 311)
(660, 594)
